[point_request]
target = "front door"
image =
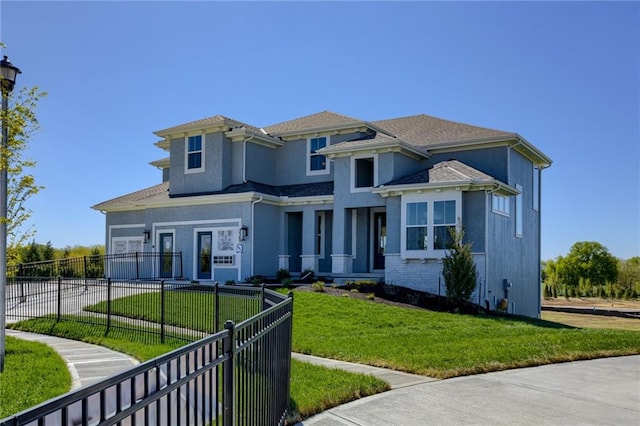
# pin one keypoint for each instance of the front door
(166, 255)
(380, 238)
(204, 255)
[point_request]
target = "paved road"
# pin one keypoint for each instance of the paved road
(597, 392)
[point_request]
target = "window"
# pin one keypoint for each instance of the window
(316, 163)
(320, 231)
(363, 169)
(519, 211)
(426, 221)
(500, 204)
(124, 245)
(444, 218)
(416, 224)
(536, 188)
(194, 153)
(224, 260)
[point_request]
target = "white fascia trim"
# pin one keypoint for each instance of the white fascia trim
(471, 185)
(163, 163)
(245, 197)
(164, 144)
(344, 150)
(293, 135)
(196, 128)
(239, 135)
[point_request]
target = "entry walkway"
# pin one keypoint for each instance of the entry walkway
(87, 363)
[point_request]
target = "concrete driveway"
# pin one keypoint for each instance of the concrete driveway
(597, 392)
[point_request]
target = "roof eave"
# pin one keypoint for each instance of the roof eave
(344, 149)
(468, 185)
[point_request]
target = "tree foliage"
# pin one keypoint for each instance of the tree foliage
(459, 270)
(21, 124)
(588, 261)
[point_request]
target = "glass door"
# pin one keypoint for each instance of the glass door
(166, 255)
(380, 238)
(204, 255)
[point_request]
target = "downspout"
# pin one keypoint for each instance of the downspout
(244, 161)
(540, 168)
(253, 229)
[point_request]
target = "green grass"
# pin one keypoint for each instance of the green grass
(33, 373)
(199, 314)
(441, 344)
(313, 388)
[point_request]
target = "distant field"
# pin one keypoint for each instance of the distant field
(592, 321)
(592, 301)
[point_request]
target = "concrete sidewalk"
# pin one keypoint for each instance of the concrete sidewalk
(87, 363)
(597, 392)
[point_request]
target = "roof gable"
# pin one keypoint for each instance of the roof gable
(216, 120)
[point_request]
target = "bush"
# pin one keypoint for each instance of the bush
(230, 282)
(362, 286)
(459, 270)
(283, 274)
(308, 275)
(286, 282)
(318, 287)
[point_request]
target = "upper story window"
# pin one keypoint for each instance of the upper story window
(500, 204)
(363, 173)
(519, 211)
(194, 161)
(317, 164)
(427, 220)
(536, 188)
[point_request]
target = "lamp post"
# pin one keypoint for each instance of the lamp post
(8, 74)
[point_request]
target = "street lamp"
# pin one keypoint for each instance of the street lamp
(8, 74)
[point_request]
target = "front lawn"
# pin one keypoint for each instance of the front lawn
(441, 344)
(33, 373)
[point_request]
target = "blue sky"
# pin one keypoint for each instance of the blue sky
(563, 75)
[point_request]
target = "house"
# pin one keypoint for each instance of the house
(344, 197)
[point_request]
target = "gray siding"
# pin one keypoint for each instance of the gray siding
(260, 164)
(473, 219)
(516, 258)
(266, 236)
(492, 161)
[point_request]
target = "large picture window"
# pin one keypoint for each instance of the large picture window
(444, 218)
(124, 245)
(416, 225)
(194, 153)
(317, 163)
(427, 220)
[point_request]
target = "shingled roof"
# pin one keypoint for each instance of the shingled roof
(154, 193)
(310, 122)
(216, 120)
(424, 130)
(445, 171)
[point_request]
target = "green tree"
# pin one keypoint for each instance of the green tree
(588, 260)
(629, 276)
(21, 123)
(459, 269)
(551, 278)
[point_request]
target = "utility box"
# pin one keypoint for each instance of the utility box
(506, 284)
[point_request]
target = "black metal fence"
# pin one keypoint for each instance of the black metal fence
(238, 375)
(126, 266)
(165, 309)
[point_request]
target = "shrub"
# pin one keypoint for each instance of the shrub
(459, 270)
(286, 282)
(318, 287)
(371, 296)
(230, 282)
(283, 274)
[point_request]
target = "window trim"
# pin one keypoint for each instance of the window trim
(200, 169)
(430, 198)
(536, 188)
(505, 208)
(308, 153)
(353, 161)
(518, 207)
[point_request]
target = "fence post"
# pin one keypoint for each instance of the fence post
(162, 311)
(137, 267)
(216, 306)
(84, 274)
(59, 298)
(228, 391)
(108, 306)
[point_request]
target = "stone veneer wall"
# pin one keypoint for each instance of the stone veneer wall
(423, 274)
